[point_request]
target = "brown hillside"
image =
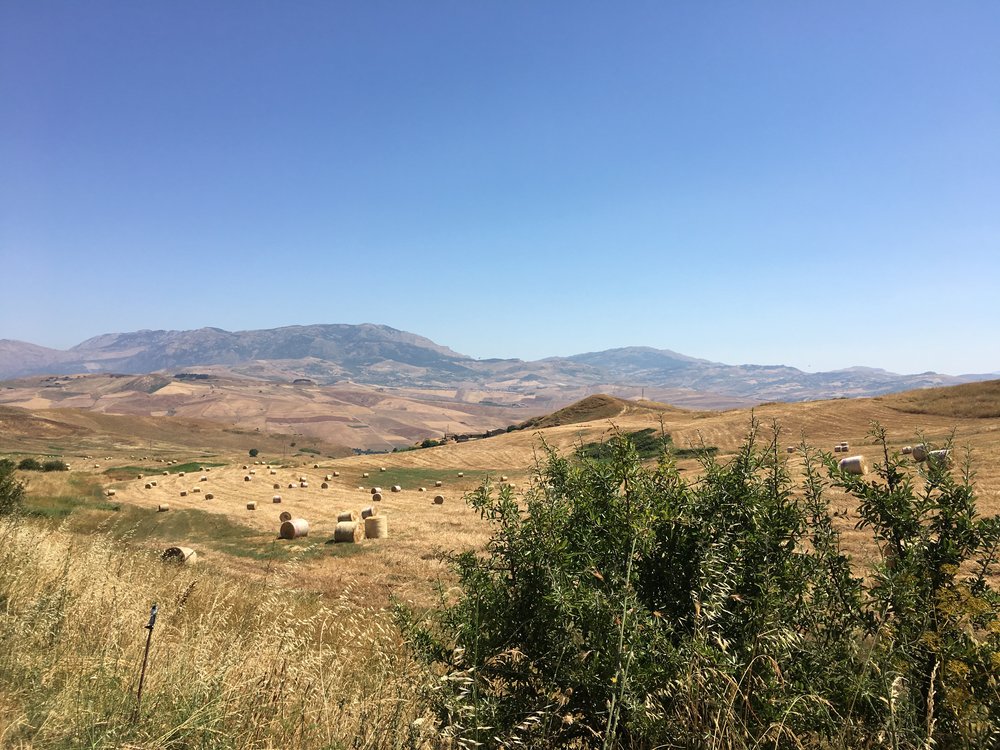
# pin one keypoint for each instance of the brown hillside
(593, 408)
(971, 401)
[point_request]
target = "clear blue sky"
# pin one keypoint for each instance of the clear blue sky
(813, 184)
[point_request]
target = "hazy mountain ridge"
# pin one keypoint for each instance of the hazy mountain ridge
(380, 355)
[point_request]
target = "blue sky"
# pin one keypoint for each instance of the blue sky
(812, 184)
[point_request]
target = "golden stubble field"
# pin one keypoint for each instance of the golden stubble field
(408, 563)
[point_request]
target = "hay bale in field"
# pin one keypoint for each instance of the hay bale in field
(303, 479)
(376, 490)
(252, 505)
(439, 499)
(303, 484)
(854, 465)
(376, 527)
(180, 473)
(138, 476)
(153, 482)
(920, 452)
(184, 493)
(377, 497)
(203, 479)
(291, 485)
(207, 468)
(836, 449)
(245, 467)
(336, 473)
(347, 515)
(149, 486)
(437, 483)
(253, 472)
(162, 508)
(315, 466)
(111, 493)
(275, 486)
(365, 475)
(247, 478)
(328, 478)
(272, 472)
(396, 488)
(360, 487)
(789, 449)
(284, 516)
(381, 468)
(907, 450)
(209, 496)
(940, 458)
(166, 473)
(349, 532)
(369, 511)
(422, 489)
(180, 555)
(196, 489)
(461, 473)
(294, 528)
(276, 499)
(324, 486)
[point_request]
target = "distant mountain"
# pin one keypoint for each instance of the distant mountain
(384, 356)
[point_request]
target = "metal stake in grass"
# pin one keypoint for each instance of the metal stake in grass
(145, 658)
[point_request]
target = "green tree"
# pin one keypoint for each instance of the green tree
(254, 452)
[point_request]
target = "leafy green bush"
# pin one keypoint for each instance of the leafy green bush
(54, 464)
(11, 490)
(253, 452)
(619, 606)
(29, 464)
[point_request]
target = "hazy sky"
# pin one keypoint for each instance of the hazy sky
(812, 184)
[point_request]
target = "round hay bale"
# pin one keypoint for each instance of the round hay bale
(439, 499)
(275, 486)
(184, 493)
(162, 508)
(396, 488)
(294, 528)
(854, 465)
(291, 485)
(149, 486)
(284, 516)
(324, 486)
(376, 490)
(365, 475)
(272, 472)
(196, 489)
(940, 458)
(153, 482)
(315, 466)
(111, 493)
(303, 484)
(180, 473)
(919, 452)
(360, 487)
(328, 477)
(350, 532)
(347, 515)
(422, 489)
(789, 449)
(369, 511)
(461, 473)
(381, 468)
(377, 497)
(276, 499)
(252, 505)
(907, 450)
(836, 449)
(336, 473)
(180, 555)
(166, 473)
(203, 479)
(247, 478)
(303, 479)
(245, 467)
(209, 496)
(207, 468)
(437, 483)
(253, 472)
(376, 527)
(138, 476)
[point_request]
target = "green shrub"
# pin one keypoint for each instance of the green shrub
(54, 464)
(253, 452)
(29, 464)
(11, 490)
(619, 606)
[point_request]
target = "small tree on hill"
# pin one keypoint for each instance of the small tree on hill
(253, 452)
(11, 490)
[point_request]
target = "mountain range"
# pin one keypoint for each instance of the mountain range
(384, 356)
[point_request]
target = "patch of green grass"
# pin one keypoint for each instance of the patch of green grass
(649, 443)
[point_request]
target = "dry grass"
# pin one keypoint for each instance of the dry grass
(235, 663)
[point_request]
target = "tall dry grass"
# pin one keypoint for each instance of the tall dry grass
(234, 663)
